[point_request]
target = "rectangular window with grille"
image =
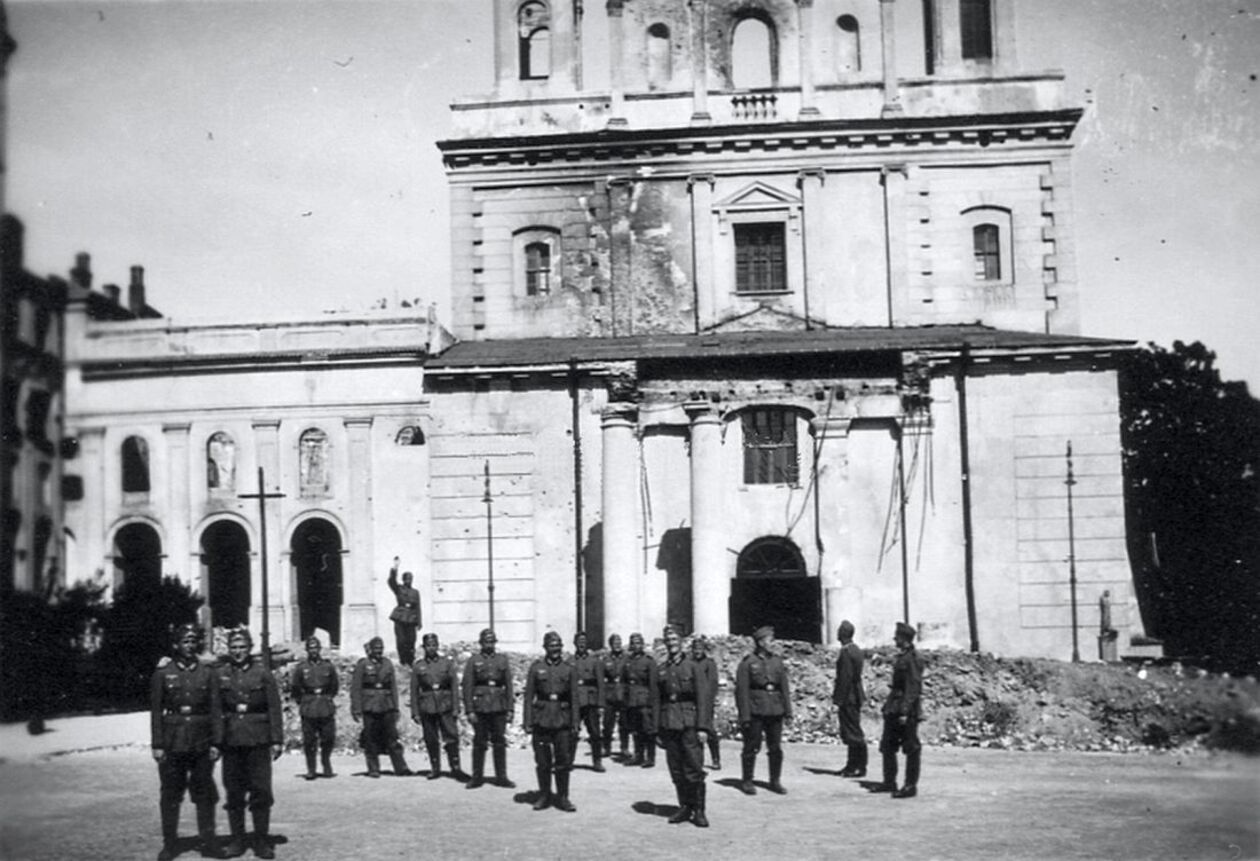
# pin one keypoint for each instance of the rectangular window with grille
(988, 255)
(760, 259)
(770, 455)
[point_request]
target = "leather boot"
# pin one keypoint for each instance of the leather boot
(479, 769)
(561, 800)
(262, 834)
(325, 761)
(637, 759)
(649, 758)
(310, 763)
(373, 764)
(890, 774)
(697, 796)
(715, 751)
(170, 830)
(747, 763)
(435, 767)
(685, 810)
(847, 771)
(776, 772)
(544, 788)
(236, 825)
(911, 787)
(596, 750)
(205, 830)
(399, 762)
(500, 768)
(452, 757)
(859, 764)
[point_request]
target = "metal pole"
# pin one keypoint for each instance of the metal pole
(489, 544)
(262, 496)
(1076, 651)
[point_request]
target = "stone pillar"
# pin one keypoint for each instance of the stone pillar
(179, 466)
(948, 37)
(894, 178)
(279, 613)
(621, 552)
(1004, 60)
(359, 618)
(616, 59)
(699, 63)
(842, 599)
(805, 19)
(710, 567)
(888, 42)
(94, 474)
(701, 188)
(816, 239)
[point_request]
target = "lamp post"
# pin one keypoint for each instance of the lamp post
(489, 544)
(1070, 482)
(262, 496)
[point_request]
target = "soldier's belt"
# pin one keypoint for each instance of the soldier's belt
(554, 698)
(246, 708)
(383, 686)
(589, 683)
(766, 687)
(187, 711)
(681, 698)
(491, 683)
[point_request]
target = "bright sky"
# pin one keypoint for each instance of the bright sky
(276, 157)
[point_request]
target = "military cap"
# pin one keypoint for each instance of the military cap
(429, 638)
(552, 637)
(846, 630)
(905, 631)
(486, 632)
(374, 641)
(313, 641)
(240, 634)
(763, 632)
(179, 632)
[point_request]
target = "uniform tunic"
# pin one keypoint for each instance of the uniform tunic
(374, 700)
(905, 697)
(763, 700)
(684, 705)
(551, 689)
(405, 616)
(313, 686)
(848, 694)
(614, 696)
(589, 698)
(434, 700)
(488, 698)
(186, 720)
(638, 674)
(252, 723)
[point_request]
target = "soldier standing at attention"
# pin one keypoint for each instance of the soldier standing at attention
(684, 703)
(764, 701)
(490, 704)
(253, 736)
(638, 675)
(902, 712)
(707, 670)
(848, 697)
(406, 616)
(313, 685)
(435, 706)
(590, 697)
(551, 717)
(186, 730)
(614, 697)
(374, 701)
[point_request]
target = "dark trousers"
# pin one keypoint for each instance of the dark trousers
(638, 722)
(247, 777)
(405, 639)
(380, 733)
(553, 749)
(319, 732)
(900, 736)
(439, 728)
(684, 755)
(615, 719)
(850, 717)
(588, 716)
(767, 726)
(489, 728)
(187, 770)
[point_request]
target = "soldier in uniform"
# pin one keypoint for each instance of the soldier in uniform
(684, 709)
(590, 697)
(764, 701)
(614, 698)
(313, 686)
(638, 675)
(435, 706)
(707, 668)
(848, 697)
(551, 690)
(405, 616)
(490, 704)
(902, 713)
(186, 730)
(374, 701)
(253, 736)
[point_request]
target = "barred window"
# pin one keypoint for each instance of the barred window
(988, 254)
(770, 455)
(537, 269)
(760, 259)
(976, 24)
(135, 465)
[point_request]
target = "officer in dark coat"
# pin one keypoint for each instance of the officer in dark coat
(902, 713)
(313, 686)
(590, 696)
(848, 696)
(435, 706)
(706, 667)
(763, 699)
(638, 675)
(374, 701)
(612, 662)
(490, 704)
(551, 717)
(405, 616)
(684, 709)
(253, 736)
(186, 730)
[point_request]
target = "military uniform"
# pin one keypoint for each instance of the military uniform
(707, 671)
(252, 725)
(313, 686)
(374, 700)
(589, 701)
(902, 712)
(490, 704)
(406, 618)
(638, 675)
(683, 708)
(763, 700)
(614, 702)
(848, 696)
(551, 691)
(186, 722)
(435, 706)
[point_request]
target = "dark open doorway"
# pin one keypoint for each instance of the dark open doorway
(225, 572)
(772, 587)
(316, 559)
(137, 553)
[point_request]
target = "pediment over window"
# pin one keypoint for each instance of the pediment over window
(763, 318)
(759, 195)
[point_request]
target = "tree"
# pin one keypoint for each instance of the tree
(1191, 456)
(136, 631)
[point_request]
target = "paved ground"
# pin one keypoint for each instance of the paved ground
(100, 803)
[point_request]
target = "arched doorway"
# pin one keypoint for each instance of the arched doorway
(225, 572)
(316, 560)
(772, 587)
(137, 553)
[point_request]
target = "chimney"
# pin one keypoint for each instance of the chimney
(112, 291)
(135, 291)
(81, 274)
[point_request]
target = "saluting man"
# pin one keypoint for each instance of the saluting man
(186, 730)
(374, 701)
(684, 708)
(551, 689)
(590, 696)
(638, 674)
(614, 697)
(313, 686)
(764, 701)
(406, 615)
(253, 736)
(435, 706)
(490, 704)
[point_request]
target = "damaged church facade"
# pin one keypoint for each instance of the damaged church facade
(768, 317)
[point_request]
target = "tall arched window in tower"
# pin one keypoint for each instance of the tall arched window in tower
(221, 462)
(976, 26)
(135, 465)
(992, 250)
(659, 62)
(848, 45)
(313, 467)
(754, 54)
(988, 252)
(533, 30)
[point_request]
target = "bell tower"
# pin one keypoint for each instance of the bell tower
(538, 48)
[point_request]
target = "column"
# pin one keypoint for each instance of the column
(701, 188)
(91, 467)
(699, 64)
(949, 37)
(616, 59)
(359, 620)
(815, 237)
(178, 467)
(619, 481)
(805, 19)
(279, 614)
(888, 42)
(841, 599)
(894, 179)
(710, 567)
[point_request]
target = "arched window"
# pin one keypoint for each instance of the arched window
(313, 466)
(990, 244)
(135, 465)
(848, 45)
(986, 245)
(537, 269)
(536, 253)
(659, 60)
(533, 29)
(409, 435)
(770, 455)
(221, 462)
(754, 54)
(976, 26)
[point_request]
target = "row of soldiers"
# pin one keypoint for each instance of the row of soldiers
(202, 713)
